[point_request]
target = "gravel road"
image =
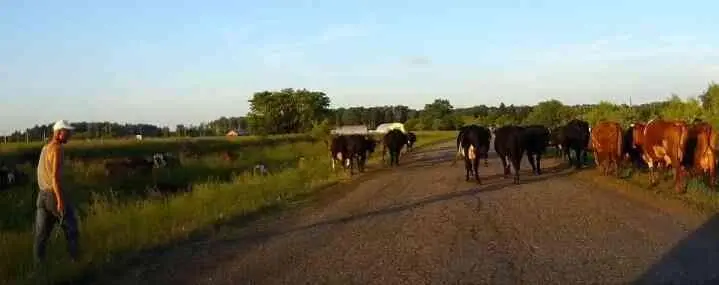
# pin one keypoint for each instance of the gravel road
(423, 224)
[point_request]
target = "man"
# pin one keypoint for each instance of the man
(52, 206)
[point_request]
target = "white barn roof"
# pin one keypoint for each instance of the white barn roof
(348, 130)
(386, 127)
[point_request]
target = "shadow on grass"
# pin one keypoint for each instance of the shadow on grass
(694, 260)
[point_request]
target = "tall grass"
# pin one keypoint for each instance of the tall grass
(121, 221)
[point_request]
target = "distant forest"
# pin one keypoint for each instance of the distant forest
(301, 110)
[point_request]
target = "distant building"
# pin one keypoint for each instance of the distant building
(348, 130)
(386, 127)
(237, 132)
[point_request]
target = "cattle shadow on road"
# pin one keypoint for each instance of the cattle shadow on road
(495, 185)
(694, 260)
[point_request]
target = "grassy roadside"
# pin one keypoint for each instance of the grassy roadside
(698, 196)
(110, 228)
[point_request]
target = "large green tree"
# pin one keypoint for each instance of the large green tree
(287, 110)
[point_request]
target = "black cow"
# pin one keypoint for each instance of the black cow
(462, 129)
(556, 137)
(358, 149)
(411, 139)
(486, 136)
(576, 137)
(630, 150)
(338, 151)
(393, 141)
(510, 148)
(535, 139)
(474, 144)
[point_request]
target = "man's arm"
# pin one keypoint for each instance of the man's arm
(56, 162)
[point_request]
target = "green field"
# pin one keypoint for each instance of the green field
(117, 216)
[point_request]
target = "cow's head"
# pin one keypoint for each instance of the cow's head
(10, 177)
(158, 160)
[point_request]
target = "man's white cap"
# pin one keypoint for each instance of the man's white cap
(61, 125)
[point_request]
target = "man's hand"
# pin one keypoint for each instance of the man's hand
(60, 207)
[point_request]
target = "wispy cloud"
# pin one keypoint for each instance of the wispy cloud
(418, 61)
(283, 55)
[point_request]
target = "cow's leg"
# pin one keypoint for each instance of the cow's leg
(652, 171)
(516, 160)
(475, 167)
(530, 158)
(539, 163)
(397, 157)
(505, 167)
(467, 168)
(679, 185)
(712, 173)
(361, 162)
(578, 161)
(351, 164)
(384, 149)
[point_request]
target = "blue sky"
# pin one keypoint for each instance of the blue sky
(169, 62)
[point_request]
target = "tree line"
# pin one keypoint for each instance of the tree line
(301, 110)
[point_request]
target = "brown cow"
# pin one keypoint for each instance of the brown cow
(665, 141)
(607, 146)
(702, 147)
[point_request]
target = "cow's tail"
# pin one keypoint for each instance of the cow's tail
(384, 149)
(457, 154)
(683, 136)
(713, 140)
(459, 151)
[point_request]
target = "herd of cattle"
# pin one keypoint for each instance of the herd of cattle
(657, 144)
(352, 149)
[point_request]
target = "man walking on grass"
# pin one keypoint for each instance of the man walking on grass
(52, 206)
